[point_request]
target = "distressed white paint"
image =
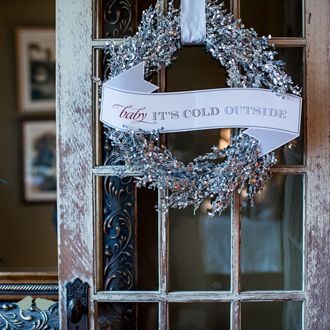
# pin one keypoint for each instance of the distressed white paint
(75, 135)
(317, 230)
(196, 296)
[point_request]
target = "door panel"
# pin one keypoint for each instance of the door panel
(182, 260)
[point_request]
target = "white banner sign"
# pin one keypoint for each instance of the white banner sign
(128, 102)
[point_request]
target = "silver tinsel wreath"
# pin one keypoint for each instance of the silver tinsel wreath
(249, 61)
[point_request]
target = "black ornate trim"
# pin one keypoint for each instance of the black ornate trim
(119, 18)
(12, 317)
(119, 234)
(119, 252)
(29, 289)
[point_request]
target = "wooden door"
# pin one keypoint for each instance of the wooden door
(141, 269)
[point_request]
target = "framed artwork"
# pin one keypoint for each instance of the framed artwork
(36, 70)
(39, 160)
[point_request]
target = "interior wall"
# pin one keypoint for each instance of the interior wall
(27, 231)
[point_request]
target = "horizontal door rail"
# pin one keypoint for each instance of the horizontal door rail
(109, 170)
(288, 42)
(195, 297)
(113, 170)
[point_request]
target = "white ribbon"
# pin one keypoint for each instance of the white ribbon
(193, 21)
(128, 102)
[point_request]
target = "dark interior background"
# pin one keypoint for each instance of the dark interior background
(28, 231)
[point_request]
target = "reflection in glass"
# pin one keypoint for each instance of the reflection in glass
(129, 236)
(279, 18)
(120, 316)
(272, 231)
(272, 316)
(199, 250)
(293, 58)
(210, 316)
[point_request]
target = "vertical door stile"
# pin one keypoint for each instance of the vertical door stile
(74, 148)
(317, 254)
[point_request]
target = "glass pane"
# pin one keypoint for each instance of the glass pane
(120, 18)
(272, 316)
(272, 236)
(105, 154)
(188, 145)
(128, 316)
(279, 18)
(193, 70)
(226, 5)
(130, 232)
(147, 239)
(199, 255)
(210, 316)
(294, 59)
(28, 241)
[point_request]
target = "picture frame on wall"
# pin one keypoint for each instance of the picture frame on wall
(35, 52)
(39, 160)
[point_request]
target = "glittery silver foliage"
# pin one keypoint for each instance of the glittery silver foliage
(215, 175)
(249, 61)
(157, 39)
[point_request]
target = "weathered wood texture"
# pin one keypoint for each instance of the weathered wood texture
(74, 142)
(196, 296)
(317, 283)
(236, 262)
